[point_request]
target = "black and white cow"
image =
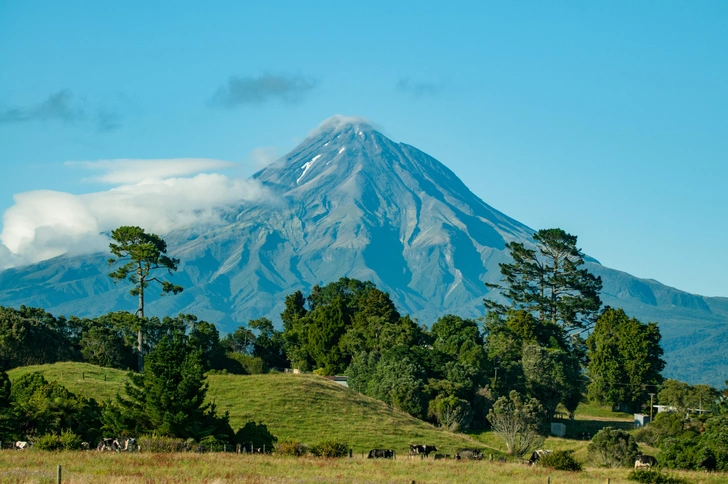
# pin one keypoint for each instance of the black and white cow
(536, 455)
(422, 450)
(644, 462)
(381, 454)
(469, 454)
(108, 444)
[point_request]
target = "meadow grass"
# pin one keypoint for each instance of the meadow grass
(113, 468)
(305, 408)
(310, 409)
(85, 379)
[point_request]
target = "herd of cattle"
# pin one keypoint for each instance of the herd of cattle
(130, 445)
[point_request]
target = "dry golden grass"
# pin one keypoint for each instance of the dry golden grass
(111, 468)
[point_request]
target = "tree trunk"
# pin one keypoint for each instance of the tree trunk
(140, 315)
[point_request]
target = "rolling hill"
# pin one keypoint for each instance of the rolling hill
(305, 408)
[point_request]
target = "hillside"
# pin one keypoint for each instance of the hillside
(305, 408)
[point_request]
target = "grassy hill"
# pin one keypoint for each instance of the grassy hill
(305, 408)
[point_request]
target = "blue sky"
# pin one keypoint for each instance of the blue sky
(607, 119)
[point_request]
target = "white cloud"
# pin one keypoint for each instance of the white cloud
(135, 171)
(44, 224)
(262, 157)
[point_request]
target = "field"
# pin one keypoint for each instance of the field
(308, 409)
(93, 467)
(305, 408)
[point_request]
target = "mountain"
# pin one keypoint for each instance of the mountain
(350, 202)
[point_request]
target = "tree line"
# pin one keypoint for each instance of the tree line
(544, 345)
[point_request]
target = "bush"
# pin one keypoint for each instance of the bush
(612, 447)
(654, 477)
(211, 444)
(250, 365)
(66, 441)
(289, 447)
(560, 460)
(155, 443)
(680, 454)
(330, 448)
(256, 434)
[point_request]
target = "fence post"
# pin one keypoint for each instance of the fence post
(58, 475)
(104, 376)
(264, 448)
(83, 376)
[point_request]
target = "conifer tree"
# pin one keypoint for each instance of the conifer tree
(550, 281)
(142, 255)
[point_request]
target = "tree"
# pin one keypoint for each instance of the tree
(142, 255)
(451, 412)
(168, 397)
(685, 398)
(550, 281)
(102, 346)
(517, 422)
(612, 447)
(44, 408)
(625, 359)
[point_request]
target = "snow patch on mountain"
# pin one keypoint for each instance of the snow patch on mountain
(306, 167)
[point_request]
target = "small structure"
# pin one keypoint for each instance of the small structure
(340, 379)
(558, 429)
(640, 420)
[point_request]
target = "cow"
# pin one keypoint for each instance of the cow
(127, 445)
(644, 462)
(536, 455)
(22, 445)
(85, 445)
(109, 444)
(469, 454)
(709, 464)
(381, 454)
(439, 456)
(425, 450)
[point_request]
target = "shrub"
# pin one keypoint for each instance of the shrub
(256, 434)
(155, 443)
(251, 365)
(211, 444)
(66, 441)
(330, 448)
(560, 460)
(289, 447)
(679, 454)
(612, 447)
(654, 477)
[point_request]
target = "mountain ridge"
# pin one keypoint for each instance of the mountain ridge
(350, 202)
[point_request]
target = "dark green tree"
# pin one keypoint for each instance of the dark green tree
(44, 407)
(33, 337)
(103, 346)
(550, 281)
(142, 256)
(328, 325)
(268, 344)
(168, 397)
(625, 359)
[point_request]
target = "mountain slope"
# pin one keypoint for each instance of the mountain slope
(350, 202)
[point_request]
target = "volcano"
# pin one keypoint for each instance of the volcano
(350, 202)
